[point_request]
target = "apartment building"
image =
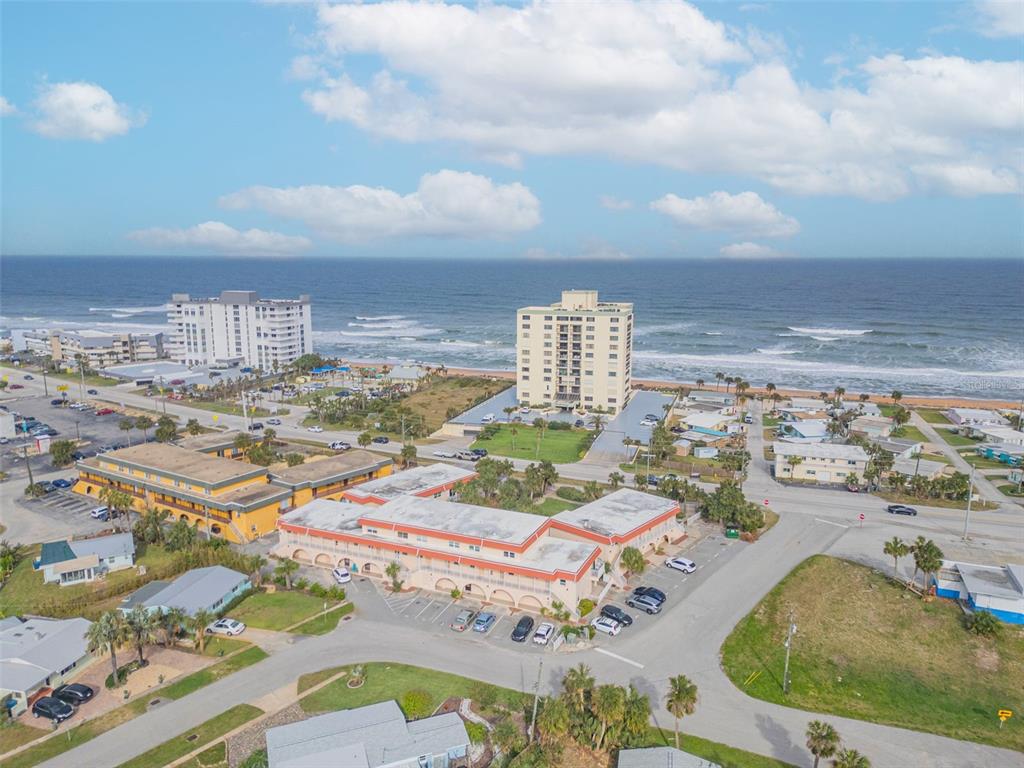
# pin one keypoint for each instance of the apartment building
(98, 349)
(239, 328)
(428, 480)
(575, 354)
(819, 462)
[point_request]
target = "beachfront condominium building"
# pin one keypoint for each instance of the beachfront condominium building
(239, 328)
(575, 353)
(99, 349)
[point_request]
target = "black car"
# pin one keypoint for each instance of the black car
(653, 592)
(75, 693)
(58, 401)
(901, 509)
(381, 440)
(91, 392)
(522, 630)
(481, 452)
(578, 423)
(256, 426)
(52, 709)
(615, 613)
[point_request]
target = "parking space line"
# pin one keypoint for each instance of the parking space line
(495, 625)
(429, 603)
(636, 664)
(444, 611)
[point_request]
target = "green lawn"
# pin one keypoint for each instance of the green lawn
(958, 441)
(933, 416)
(26, 593)
(981, 462)
(213, 757)
(866, 650)
(889, 410)
(79, 734)
(770, 421)
(321, 625)
(13, 734)
(712, 751)
(229, 408)
(935, 457)
(910, 432)
(905, 498)
(559, 446)
(1011, 489)
(277, 610)
(194, 738)
(93, 380)
(553, 505)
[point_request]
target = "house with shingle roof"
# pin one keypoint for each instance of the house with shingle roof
(77, 561)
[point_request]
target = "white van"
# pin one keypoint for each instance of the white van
(487, 419)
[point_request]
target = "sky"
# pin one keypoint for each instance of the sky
(544, 131)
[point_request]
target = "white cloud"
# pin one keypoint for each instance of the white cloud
(305, 67)
(220, 237)
(744, 213)
(966, 179)
(592, 250)
(615, 204)
(446, 204)
(660, 83)
(82, 111)
(1000, 18)
(748, 251)
(6, 108)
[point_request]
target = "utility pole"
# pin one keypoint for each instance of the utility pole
(245, 410)
(789, 645)
(970, 497)
(46, 389)
(536, 698)
(81, 372)
(24, 453)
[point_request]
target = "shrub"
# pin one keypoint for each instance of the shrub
(569, 493)
(336, 593)
(257, 759)
(633, 560)
(122, 674)
(477, 732)
(318, 590)
(456, 593)
(983, 623)
(559, 425)
(585, 607)
(417, 703)
(301, 584)
(485, 695)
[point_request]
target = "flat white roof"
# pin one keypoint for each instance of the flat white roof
(466, 520)
(410, 482)
(820, 451)
(706, 420)
(1005, 434)
(325, 515)
(618, 513)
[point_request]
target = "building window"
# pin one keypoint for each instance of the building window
(561, 582)
(371, 530)
(403, 535)
(453, 544)
(474, 547)
(509, 555)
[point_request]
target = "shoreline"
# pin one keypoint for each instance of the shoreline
(922, 401)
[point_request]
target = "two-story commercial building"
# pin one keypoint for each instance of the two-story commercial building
(819, 462)
(427, 481)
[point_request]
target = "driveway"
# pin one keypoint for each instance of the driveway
(608, 449)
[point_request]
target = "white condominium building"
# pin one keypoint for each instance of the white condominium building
(576, 353)
(99, 349)
(239, 328)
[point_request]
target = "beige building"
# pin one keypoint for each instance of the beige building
(99, 349)
(819, 462)
(576, 353)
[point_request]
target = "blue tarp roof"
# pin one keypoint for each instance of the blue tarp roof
(713, 432)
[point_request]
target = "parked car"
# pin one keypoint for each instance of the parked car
(901, 509)
(578, 423)
(481, 452)
(315, 428)
(341, 575)
(47, 486)
(214, 374)
(644, 603)
(653, 480)
(651, 417)
(29, 377)
(524, 409)
(652, 592)
(91, 392)
(100, 513)
(177, 382)
(256, 426)
(225, 626)
(467, 456)
(606, 625)
(381, 440)
(58, 401)
(681, 564)
(75, 693)
(463, 621)
(522, 629)
(274, 422)
(484, 622)
(104, 411)
(52, 708)
(748, 419)
(615, 613)
(445, 454)
(60, 482)
(544, 633)
(339, 445)
(648, 423)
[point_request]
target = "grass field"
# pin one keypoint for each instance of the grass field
(264, 610)
(79, 734)
(14, 734)
(559, 446)
(769, 421)
(229, 408)
(25, 590)
(93, 380)
(553, 505)
(1011, 489)
(906, 498)
(867, 650)
(958, 441)
(433, 400)
(981, 462)
(211, 757)
(194, 738)
(712, 751)
(910, 432)
(321, 625)
(935, 457)
(932, 416)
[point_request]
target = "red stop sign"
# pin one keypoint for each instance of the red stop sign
(861, 515)
(766, 502)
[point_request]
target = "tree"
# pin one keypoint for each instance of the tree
(166, 429)
(719, 376)
(609, 704)
(927, 558)
(127, 425)
(199, 622)
(285, 569)
(364, 439)
(540, 425)
(850, 758)
(181, 536)
(171, 621)
(592, 490)
(141, 627)
(895, 548)
(578, 684)
(699, 383)
(896, 396)
(794, 462)
(145, 424)
(681, 700)
(533, 480)
(294, 459)
(983, 623)
(150, 527)
(636, 718)
(268, 436)
(62, 452)
(408, 455)
(822, 740)
(242, 442)
(193, 427)
(900, 417)
(507, 737)
(553, 721)
(106, 634)
(508, 410)
(633, 560)
(394, 570)
(615, 479)
(118, 502)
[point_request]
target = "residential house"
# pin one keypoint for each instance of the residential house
(863, 409)
(999, 435)
(661, 757)
(999, 590)
(819, 462)
(712, 397)
(201, 589)
(39, 654)
(713, 422)
(871, 426)
(374, 736)
(966, 417)
(918, 466)
(806, 431)
(1011, 455)
(898, 447)
(407, 375)
(79, 561)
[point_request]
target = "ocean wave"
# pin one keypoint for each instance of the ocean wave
(380, 317)
(829, 331)
(825, 338)
(127, 311)
(712, 333)
(382, 326)
(412, 331)
(647, 330)
(777, 351)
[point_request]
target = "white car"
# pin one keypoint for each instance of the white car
(445, 454)
(544, 633)
(100, 513)
(316, 429)
(225, 627)
(341, 575)
(681, 564)
(606, 625)
(524, 409)
(648, 423)
(339, 445)
(274, 422)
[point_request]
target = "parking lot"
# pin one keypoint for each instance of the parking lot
(64, 509)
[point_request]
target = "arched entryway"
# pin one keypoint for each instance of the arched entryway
(530, 603)
(301, 556)
(474, 590)
(445, 585)
(323, 560)
(502, 597)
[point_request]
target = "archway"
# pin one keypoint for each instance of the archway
(502, 597)
(324, 560)
(301, 556)
(371, 570)
(445, 585)
(475, 590)
(344, 562)
(530, 603)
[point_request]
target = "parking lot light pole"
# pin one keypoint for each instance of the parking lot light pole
(789, 645)
(970, 497)
(46, 388)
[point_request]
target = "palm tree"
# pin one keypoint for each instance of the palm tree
(681, 699)
(408, 455)
(364, 439)
(850, 758)
(637, 717)
(895, 548)
(553, 721)
(719, 376)
(107, 633)
(242, 443)
(199, 623)
(615, 479)
(141, 628)
(699, 383)
(193, 427)
(896, 396)
(577, 685)
(286, 568)
(513, 430)
(127, 425)
(269, 434)
(609, 705)
(145, 424)
(770, 388)
(597, 420)
(539, 424)
(171, 622)
(508, 411)
(794, 462)
(119, 503)
(822, 740)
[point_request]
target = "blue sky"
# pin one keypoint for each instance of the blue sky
(757, 130)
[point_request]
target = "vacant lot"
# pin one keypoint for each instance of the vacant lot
(264, 610)
(956, 440)
(559, 446)
(909, 432)
(932, 416)
(436, 398)
(869, 650)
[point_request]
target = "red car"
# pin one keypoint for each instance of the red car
(16, 386)
(105, 411)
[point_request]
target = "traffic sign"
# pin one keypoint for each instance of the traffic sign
(766, 502)
(62, 387)
(861, 515)
(1005, 714)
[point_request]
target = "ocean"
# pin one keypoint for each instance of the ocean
(925, 327)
